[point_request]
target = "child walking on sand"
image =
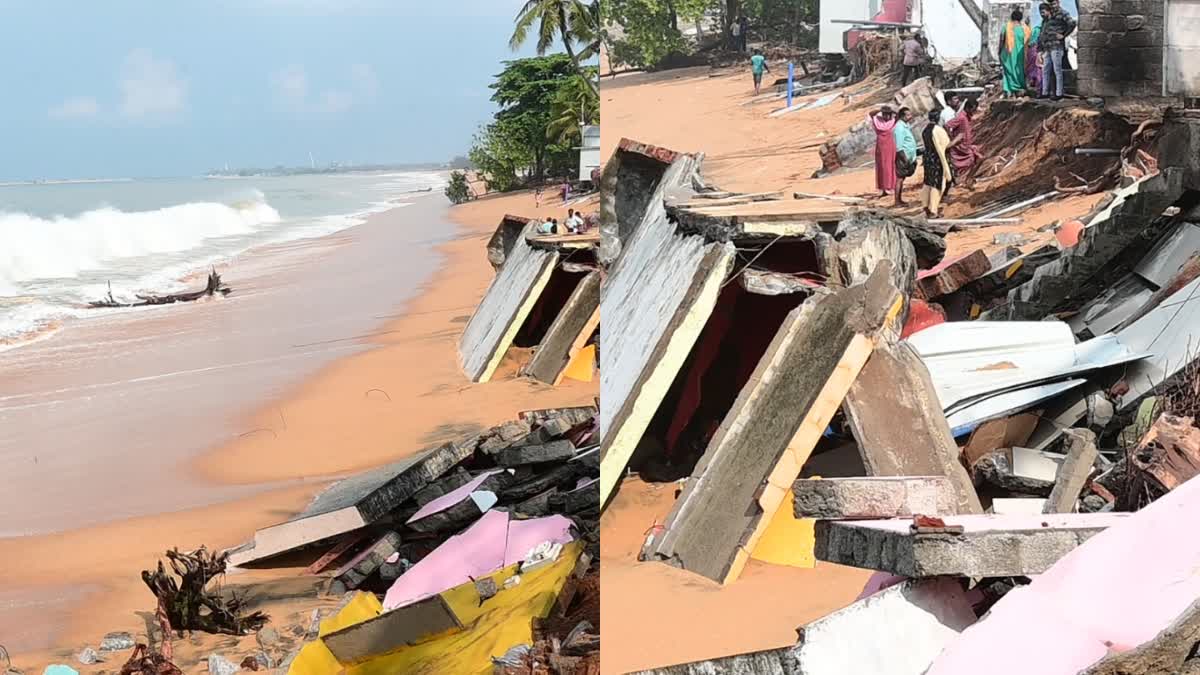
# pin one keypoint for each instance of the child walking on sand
(758, 66)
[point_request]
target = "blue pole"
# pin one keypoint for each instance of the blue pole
(791, 74)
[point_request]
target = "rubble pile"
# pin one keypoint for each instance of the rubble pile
(1024, 425)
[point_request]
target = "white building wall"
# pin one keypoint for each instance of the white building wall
(831, 33)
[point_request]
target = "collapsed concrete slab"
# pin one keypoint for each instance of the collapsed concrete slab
(908, 625)
(1128, 227)
(1144, 566)
(950, 275)
(758, 451)
(987, 546)
(359, 568)
(1171, 333)
(392, 630)
(635, 182)
(354, 502)
(572, 328)
(894, 413)
(511, 230)
(505, 305)
(741, 222)
(655, 302)
(873, 498)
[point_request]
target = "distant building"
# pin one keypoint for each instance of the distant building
(589, 151)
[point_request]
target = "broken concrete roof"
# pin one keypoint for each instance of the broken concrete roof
(1144, 565)
(800, 218)
(571, 328)
(508, 232)
(763, 442)
(635, 182)
(354, 502)
(504, 307)
(655, 301)
(988, 545)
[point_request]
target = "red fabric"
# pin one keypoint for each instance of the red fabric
(885, 154)
(708, 347)
(922, 315)
(964, 155)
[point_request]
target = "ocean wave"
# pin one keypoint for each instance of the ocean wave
(62, 247)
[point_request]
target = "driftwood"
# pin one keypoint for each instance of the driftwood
(145, 661)
(213, 287)
(189, 606)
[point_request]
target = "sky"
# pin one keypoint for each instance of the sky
(173, 88)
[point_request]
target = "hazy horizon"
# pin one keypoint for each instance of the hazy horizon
(141, 91)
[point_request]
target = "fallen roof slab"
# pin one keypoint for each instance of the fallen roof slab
(508, 301)
(764, 440)
(897, 631)
(1116, 591)
(893, 411)
(873, 497)
(392, 630)
(654, 304)
(510, 230)
(633, 186)
(989, 545)
(355, 502)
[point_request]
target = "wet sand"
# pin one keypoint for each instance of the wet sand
(248, 442)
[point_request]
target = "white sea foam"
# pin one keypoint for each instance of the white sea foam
(33, 248)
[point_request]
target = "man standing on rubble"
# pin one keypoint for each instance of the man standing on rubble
(1056, 26)
(914, 58)
(950, 106)
(964, 154)
(906, 152)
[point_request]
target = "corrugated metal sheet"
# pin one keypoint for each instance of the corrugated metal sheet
(982, 369)
(508, 300)
(1171, 332)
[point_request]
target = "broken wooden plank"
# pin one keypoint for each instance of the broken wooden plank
(392, 630)
(895, 416)
(343, 545)
(760, 447)
(575, 322)
(1073, 472)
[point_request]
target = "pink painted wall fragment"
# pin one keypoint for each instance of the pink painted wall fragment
(453, 497)
(493, 542)
(1117, 590)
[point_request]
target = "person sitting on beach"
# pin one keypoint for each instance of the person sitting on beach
(571, 221)
(546, 226)
(758, 66)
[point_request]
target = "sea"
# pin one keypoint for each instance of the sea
(64, 244)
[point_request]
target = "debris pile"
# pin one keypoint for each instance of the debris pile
(492, 535)
(1012, 417)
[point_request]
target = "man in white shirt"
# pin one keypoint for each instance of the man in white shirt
(950, 109)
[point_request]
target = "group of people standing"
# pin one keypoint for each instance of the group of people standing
(950, 153)
(1033, 57)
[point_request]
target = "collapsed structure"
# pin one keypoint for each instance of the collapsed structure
(479, 549)
(1004, 409)
(545, 297)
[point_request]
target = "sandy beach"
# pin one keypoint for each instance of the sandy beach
(377, 324)
(651, 607)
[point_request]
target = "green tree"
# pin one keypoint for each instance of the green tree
(519, 141)
(650, 28)
(458, 190)
(572, 23)
(574, 103)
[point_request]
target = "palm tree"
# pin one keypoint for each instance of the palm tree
(574, 105)
(570, 22)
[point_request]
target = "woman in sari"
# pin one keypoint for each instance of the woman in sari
(883, 122)
(1033, 61)
(937, 168)
(1013, 45)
